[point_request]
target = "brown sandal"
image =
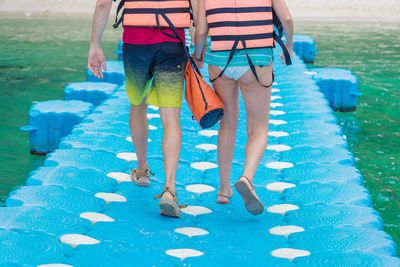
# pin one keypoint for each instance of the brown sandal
(228, 197)
(138, 177)
(168, 207)
(248, 193)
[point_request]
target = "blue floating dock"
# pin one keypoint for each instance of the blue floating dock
(115, 73)
(81, 209)
(52, 120)
(340, 87)
(92, 92)
(304, 47)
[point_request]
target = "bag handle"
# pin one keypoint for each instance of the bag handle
(176, 36)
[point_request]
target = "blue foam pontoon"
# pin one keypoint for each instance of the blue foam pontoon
(81, 209)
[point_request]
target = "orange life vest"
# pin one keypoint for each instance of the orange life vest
(242, 24)
(146, 13)
(250, 21)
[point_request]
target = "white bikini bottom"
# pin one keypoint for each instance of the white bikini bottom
(235, 72)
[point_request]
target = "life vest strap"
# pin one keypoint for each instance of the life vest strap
(231, 55)
(278, 39)
(189, 57)
(119, 21)
(251, 64)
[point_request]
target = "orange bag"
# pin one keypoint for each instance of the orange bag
(204, 103)
(206, 106)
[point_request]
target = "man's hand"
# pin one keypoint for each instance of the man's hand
(199, 62)
(199, 59)
(96, 60)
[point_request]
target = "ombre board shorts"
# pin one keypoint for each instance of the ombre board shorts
(155, 71)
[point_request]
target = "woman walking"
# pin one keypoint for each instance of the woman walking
(240, 56)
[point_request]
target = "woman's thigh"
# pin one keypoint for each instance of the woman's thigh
(257, 97)
(227, 90)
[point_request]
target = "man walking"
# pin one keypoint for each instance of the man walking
(152, 54)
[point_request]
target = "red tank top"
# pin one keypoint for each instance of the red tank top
(149, 35)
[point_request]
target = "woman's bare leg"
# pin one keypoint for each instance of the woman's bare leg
(257, 102)
(227, 89)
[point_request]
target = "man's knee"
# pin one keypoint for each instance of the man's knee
(170, 117)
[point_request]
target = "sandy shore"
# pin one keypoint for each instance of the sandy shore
(365, 10)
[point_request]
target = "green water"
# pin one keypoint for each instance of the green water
(372, 52)
(39, 56)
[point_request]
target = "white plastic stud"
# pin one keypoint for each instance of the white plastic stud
(203, 165)
(207, 147)
(277, 112)
(279, 148)
(129, 139)
(95, 217)
(286, 230)
(290, 253)
(75, 239)
(120, 176)
(274, 83)
(275, 97)
(275, 105)
(196, 210)
(111, 197)
(199, 188)
(208, 133)
(277, 122)
(152, 127)
(152, 116)
(279, 186)
(282, 208)
(310, 72)
(128, 156)
(191, 231)
(277, 133)
(154, 107)
(279, 165)
(184, 253)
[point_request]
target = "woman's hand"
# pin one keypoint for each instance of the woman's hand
(96, 60)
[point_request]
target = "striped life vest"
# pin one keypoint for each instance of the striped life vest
(251, 21)
(242, 24)
(146, 13)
